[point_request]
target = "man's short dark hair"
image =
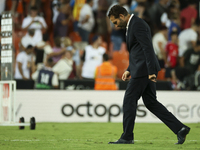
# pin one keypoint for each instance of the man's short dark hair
(105, 57)
(34, 8)
(29, 46)
(173, 33)
(116, 10)
(88, 1)
(50, 61)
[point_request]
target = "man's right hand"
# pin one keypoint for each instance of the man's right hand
(24, 78)
(126, 75)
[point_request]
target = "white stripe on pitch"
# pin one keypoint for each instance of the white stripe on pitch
(18, 140)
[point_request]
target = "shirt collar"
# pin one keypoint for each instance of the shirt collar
(129, 21)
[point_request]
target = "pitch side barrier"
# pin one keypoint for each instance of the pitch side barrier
(100, 106)
(87, 84)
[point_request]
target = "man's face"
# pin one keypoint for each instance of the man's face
(99, 40)
(33, 13)
(174, 38)
(91, 3)
(119, 22)
(29, 50)
(68, 54)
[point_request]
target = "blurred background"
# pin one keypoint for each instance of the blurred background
(71, 44)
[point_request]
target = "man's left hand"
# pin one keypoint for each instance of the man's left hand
(152, 77)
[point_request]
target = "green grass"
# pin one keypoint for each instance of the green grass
(94, 136)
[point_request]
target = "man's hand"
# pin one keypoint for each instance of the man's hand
(126, 75)
(86, 19)
(24, 78)
(152, 77)
(168, 64)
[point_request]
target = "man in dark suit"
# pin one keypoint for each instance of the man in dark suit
(143, 68)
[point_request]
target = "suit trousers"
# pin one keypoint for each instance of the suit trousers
(146, 88)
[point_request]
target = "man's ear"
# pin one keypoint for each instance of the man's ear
(121, 16)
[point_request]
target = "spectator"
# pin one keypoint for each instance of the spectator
(75, 56)
(55, 9)
(189, 63)
(57, 50)
(33, 21)
(117, 34)
(187, 39)
(92, 57)
(140, 10)
(86, 21)
(105, 75)
(61, 25)
(64, 66)
(70, 57)
(28, 39)
(23, 63)
(171, 54)
(188, 15)
(156, 12)
(45, 78)
(174, 26)
(166, 16)
(101, 19)
(76, 12)
(77, 49)
(159, 42)
(43, 49)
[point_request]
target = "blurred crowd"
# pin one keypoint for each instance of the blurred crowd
(67, 39)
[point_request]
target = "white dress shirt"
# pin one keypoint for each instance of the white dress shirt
(129, 22)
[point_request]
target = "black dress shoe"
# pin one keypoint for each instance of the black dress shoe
(181, 135)
(122, 141)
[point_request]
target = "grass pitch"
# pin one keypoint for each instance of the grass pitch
(94, 136)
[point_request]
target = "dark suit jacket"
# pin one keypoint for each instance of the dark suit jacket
(142, 58)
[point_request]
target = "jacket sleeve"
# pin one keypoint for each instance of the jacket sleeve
(143, 36)
(128, 69)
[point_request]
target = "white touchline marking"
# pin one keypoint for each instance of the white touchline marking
(16, 140)
(38, 140)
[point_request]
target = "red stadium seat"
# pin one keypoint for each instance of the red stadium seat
(161, 74)
(121, 60)
(20, 7)
(75, 37)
